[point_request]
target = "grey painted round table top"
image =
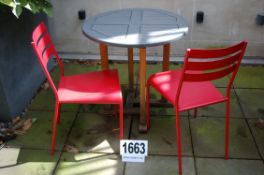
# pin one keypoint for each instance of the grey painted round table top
(135, 27)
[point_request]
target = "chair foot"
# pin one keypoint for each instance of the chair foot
(180, 172)
(226, 155)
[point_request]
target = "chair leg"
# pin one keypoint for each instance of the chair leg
(59, 110)
(55, 122)
(121, 122)
(227, 128)
(178, 139)
(148, 106)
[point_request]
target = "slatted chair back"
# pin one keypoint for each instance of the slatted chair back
(45, 50)
(207, 65)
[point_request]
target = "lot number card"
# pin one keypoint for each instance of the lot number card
(133, 150)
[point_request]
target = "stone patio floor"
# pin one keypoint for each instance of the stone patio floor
(96, 134)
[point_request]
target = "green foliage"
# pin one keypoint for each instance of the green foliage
(35, 6)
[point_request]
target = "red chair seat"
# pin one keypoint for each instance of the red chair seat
(100, 87)
(192, 94)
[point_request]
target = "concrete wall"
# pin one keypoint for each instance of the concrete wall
(225, 22)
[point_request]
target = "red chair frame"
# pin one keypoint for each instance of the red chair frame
(190, 87)
(101, 87)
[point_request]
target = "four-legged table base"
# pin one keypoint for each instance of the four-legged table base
(142, 76)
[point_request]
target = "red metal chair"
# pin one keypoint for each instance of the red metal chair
(190, 87)
(101, 87)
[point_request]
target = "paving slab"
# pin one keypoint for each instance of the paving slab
(250, 77)
(123, 72)
(219, 110)
(258, 133)
(95, 108)
(39, 135)
(97, 133)
(8, 156)
(157, 165)
(159, 110)
(210, 166)
(73, 67)
(165, 111)
(25, 161)
(209, 138)
(252, 102)
(157, 67)
(151, 68)
(222, 82)
(154, 67)
(45, 100)
(161, 136)
(90, 163)
(102, 108)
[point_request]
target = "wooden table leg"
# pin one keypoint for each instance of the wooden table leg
(165, 63)
(104, 56)
(104, 66)
(166, 57)
(142, 90)
(130, 68)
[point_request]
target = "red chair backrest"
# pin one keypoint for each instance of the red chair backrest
(206, 65)
(212, 64)
(45, 50)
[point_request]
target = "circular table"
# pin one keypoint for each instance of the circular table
(136, 28)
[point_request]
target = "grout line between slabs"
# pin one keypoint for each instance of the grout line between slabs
(66, 139)
(248, 125)
(194, 157)
(130, 127)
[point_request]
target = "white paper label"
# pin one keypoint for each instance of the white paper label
(133, 150)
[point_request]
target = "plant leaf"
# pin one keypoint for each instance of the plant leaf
(17, 10)
(34, 6)
(7, 2)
